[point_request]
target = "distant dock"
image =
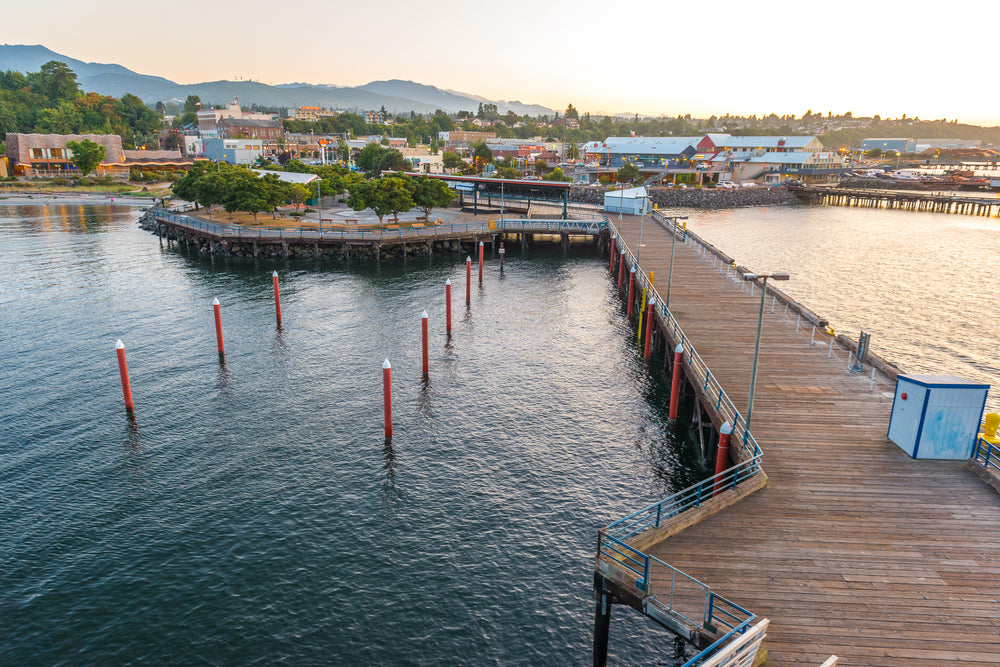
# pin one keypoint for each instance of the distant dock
(901, 200)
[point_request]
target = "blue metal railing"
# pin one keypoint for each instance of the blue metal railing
(691, 497)
(612, 540)
(587, 226)
(987, 453)
(700, 373)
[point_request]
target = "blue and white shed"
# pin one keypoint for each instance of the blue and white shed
(630, 201)
(936, 416)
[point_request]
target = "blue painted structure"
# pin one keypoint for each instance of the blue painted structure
(937, 416)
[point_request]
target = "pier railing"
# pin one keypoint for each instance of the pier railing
(687, 598)
(988, 454)
(613, 547)
(592, 226)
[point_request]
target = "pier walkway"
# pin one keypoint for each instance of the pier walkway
(852, 549)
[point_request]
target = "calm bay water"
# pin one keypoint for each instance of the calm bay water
(925, 285)
(253, 513)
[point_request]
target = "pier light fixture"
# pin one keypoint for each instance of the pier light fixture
(673, 242)
(764, 277)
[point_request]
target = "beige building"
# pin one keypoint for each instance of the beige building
(46, 155)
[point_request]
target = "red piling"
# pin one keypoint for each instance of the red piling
(277, 297)
(447, 305)
(621, 268)
(502, 252)
(468, 279)
(722, 456)
(218, 329)
(675, 380)
(123, 372)
(611, 255)
(649, 329)
(480, 262)
(423, 327)
(631, 292)
(387, 397)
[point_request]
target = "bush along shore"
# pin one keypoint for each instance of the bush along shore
(698, 197)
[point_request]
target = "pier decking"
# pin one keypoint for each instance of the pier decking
(853, 549)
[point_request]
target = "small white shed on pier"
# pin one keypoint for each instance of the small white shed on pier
(629, 201)
(937, 416)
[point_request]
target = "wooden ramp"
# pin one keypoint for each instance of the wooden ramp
(853, 548)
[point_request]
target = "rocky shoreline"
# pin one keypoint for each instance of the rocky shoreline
(698, 197)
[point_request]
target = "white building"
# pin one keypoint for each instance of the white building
(630, 201)
(233, 151)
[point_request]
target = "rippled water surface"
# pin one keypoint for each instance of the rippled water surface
(925, 285)
(253, 513)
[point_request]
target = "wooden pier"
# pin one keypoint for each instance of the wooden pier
(852, 549)
(347, 243)
(901, 200)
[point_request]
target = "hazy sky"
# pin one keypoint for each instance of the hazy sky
(929, 60)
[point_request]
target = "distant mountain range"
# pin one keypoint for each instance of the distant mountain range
(395, 95)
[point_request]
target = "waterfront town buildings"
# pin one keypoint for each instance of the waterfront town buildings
(47, 156)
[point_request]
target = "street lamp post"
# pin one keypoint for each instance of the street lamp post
(760, 319)
(642, 219)
(670, 272)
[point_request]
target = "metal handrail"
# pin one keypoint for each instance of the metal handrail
(612, 543)
(589, 226)
(693, 496)
(710, 386)
(987, 453)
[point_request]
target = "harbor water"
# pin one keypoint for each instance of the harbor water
(254, 513)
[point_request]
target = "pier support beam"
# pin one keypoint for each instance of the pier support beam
(602, 623)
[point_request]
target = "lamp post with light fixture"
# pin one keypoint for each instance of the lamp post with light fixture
(760, 319)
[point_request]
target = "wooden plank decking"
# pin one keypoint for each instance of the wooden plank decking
(853, 549)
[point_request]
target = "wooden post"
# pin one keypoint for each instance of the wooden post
(468, 279)
(424, 336)
(602, 628)
(480, 262)
(123, 372)
(631, 292)
(277, 297)
(722, 455)
(675, 380)
(649, 329)
(387, 398)
(218, 329)
(447, 305)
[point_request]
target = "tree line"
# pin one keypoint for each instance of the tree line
(50, 101)
(236, 188)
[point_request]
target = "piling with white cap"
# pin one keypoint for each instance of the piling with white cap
(480, 262)
(631, 292)
(426, 353)
(277, 297)
(502, 252)
(447, 306)
(650, 311)
(468, 279)
(675, 380)
(218, 329)
(387, 397)
(722, 455)
(621, 268)
(123, 372)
